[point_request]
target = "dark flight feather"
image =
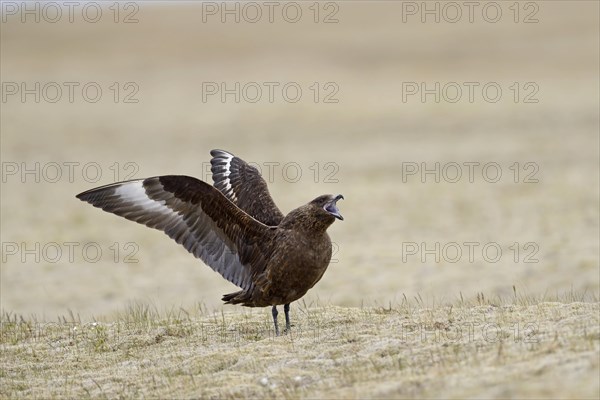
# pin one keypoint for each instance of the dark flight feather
(241, 183)
(195, 215)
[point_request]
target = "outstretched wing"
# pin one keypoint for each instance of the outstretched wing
(195, 215)
(243, 185)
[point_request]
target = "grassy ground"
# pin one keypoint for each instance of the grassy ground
(516, 348)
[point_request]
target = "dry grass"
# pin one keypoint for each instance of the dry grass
(513, 348)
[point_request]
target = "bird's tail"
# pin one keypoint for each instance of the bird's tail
(234, 298)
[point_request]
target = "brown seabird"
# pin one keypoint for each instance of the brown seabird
(234, 227)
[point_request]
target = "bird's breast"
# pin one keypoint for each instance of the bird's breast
(298, 266)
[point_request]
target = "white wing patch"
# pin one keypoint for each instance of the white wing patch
(227, 172)
(135, 193)
(224, 170)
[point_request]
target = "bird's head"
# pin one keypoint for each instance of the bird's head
(326, 206)
(315, 216)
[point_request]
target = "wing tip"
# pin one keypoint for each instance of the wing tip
(85, 196)
(218, 153)
(88, 194)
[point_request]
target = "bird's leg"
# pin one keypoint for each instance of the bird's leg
(274, 312)
(286, 309)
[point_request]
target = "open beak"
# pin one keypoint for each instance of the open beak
(332, 209)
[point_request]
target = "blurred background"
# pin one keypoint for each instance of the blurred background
(465, 142)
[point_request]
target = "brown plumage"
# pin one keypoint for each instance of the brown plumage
(234, 227)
